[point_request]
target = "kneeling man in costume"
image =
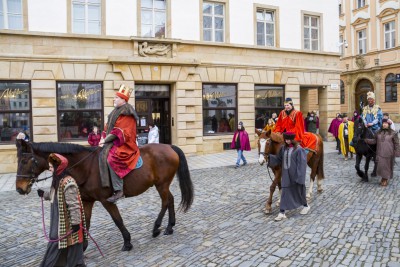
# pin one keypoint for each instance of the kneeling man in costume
(120, 150)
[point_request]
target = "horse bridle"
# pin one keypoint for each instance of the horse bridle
(264, 153)
(36, 179)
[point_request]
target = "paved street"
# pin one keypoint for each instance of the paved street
(351, 223)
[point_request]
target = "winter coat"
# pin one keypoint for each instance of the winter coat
(387, 148)
(153, 136)
(94, 139)
(244, 140)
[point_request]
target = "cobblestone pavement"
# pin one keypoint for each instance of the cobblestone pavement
(351, 224)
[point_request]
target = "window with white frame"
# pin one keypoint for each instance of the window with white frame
(311, 32)
(360, 3)
(86, 16)
(213, 22)
(265, 27)
(362, 41)
(390, 34)
(11, 14)
(153, 18)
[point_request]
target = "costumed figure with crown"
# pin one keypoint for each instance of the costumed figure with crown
(372, 114)
(120, 152)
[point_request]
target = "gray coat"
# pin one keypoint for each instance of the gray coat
(294, 164)
(387, 148)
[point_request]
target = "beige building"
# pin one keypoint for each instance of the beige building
(57, 85)
(370, 54)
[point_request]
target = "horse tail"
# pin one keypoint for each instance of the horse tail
(320, 170)
(185, 182)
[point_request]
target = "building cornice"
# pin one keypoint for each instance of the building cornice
(360, 21)
(387, 12)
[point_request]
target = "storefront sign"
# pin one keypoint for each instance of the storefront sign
(11, 93)
(83, 94)
(213, 95)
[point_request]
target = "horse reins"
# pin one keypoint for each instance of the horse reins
(263, 153)
(67, 234)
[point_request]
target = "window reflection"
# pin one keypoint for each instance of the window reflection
(79, 109)
(14, 110)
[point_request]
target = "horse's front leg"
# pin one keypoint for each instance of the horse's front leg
(357, 166)
(87, 209)
(116, 216)
(366, 167)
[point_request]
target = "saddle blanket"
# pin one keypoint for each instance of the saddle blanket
(139, 163)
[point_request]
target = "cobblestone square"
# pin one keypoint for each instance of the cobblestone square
(350, 224)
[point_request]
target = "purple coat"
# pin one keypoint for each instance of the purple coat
(244, 141)
(334, 127)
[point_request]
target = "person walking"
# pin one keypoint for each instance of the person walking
(240, 142)
(66, 215)
(312, 122)
(346, 133)
(120, 152)
(293, 159)
(94, 137)
(387, 148)
(153, 137)
(334, 130)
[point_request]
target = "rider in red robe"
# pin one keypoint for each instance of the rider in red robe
(119, 142)
(291, 120)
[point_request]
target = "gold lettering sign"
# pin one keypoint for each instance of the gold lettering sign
(270, 94)
(83, 94)
(213, 95)
(11, 93)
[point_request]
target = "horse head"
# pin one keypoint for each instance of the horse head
(268, 143)
(30, 166)
(360, 130)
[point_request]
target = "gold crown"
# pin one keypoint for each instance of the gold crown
(124, 92)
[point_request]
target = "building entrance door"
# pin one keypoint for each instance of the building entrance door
(153, 106)
(363, 87)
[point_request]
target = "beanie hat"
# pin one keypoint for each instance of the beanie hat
(288, 100)
(385, 120)
(241, 123)
(289, 135)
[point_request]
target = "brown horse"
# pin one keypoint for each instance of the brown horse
(160, 164)
(271, 143)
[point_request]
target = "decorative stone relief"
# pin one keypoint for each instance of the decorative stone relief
(360, 62)
(148, 50)
(377, 77)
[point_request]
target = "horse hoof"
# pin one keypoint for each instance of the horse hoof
(156, 233)
(168, 232)
(320, 190)
(127, 247)
(267, 211)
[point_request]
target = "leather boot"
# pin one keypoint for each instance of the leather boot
(384, 182)
(117, 195)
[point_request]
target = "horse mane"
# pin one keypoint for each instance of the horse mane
(277, 137)
(62, 148)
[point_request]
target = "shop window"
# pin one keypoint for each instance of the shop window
(15, 110)
(219, 108)
(390, 88)
(79, 108)
(342, 96)
(268, 99)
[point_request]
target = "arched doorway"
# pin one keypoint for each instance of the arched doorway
(362, 88)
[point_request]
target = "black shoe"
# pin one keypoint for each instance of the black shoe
(117, 195)
(237, 167)
(244, 163)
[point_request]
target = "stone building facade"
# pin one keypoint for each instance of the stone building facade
(63, 83)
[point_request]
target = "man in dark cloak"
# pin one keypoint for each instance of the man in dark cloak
(293, 159)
